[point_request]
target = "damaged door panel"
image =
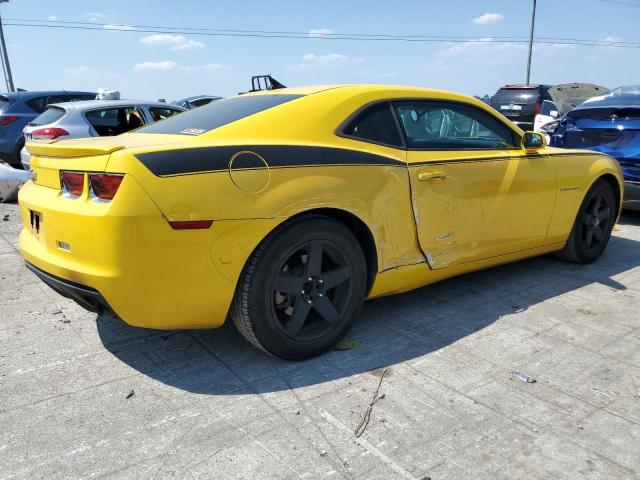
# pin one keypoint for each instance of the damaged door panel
(471, 184)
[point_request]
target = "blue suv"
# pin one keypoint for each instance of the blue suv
(17, 109)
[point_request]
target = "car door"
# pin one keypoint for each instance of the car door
(476, 193)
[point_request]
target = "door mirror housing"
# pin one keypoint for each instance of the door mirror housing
(554, 113)
(533, 141)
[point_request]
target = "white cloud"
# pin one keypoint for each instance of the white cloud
(164, 65)
(96, 16)
(612, 39)
(52, 18)
(319, 32)
(311, 61)
(113, 26)
(174, 42)
(488, 18)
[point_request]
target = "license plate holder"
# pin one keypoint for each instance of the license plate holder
(511, 107)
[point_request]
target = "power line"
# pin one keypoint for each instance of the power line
(301, 35)
(619, 2)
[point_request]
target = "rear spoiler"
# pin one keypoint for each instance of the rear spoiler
(65, 150)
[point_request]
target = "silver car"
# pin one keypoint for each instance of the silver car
(92, 118)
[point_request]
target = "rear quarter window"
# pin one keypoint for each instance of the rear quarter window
(216, 114)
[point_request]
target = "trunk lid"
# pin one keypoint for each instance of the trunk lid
(569, 95)
(84, 154)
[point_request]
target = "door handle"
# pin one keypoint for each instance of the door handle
(427, 176)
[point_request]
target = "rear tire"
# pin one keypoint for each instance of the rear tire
(301, 288)
(593, 225)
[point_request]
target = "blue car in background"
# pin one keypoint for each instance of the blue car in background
(609, 124)
(17, 109)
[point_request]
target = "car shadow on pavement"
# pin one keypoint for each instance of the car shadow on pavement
(388, 331)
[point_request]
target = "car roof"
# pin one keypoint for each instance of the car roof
(28, 94)
(90, 104)
(524, 87)
(399, 90)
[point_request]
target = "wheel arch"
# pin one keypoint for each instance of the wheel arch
(360, 230)
(613, 181)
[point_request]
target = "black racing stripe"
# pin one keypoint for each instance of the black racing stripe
(247, 161)
(211, 159)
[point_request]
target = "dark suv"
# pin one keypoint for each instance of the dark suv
(521, 103)
(17, 109)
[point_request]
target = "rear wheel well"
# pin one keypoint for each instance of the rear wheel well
(361, 232)
(613, 181)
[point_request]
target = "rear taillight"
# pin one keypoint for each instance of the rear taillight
(536, 109)
(48, 133)
(72, 183)
(7, 119)
(104, 185)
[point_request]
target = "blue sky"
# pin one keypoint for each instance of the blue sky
(174, 66)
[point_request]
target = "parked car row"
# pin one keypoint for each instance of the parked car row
(28, 114)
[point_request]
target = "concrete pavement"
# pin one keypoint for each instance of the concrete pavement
(83, 396)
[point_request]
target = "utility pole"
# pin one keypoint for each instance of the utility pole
(5, 57)
(533, 22)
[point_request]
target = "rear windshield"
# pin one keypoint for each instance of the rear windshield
(516, 96)
(4, 102)
(217, 114)
(50, 115)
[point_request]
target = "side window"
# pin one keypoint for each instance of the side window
(38, 104)
(114, 121)
(375, 124)
(160, 113)
(451, 126)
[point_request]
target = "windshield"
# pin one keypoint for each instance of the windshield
(217, 114)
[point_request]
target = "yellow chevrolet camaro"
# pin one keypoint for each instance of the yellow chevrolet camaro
(284, 209)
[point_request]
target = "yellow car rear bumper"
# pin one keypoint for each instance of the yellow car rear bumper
(118, 255)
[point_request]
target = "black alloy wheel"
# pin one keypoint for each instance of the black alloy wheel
(593, 225)
(302, 288)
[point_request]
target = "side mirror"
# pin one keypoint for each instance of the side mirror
(533, 141)
(553, 113)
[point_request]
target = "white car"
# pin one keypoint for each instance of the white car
(92, 118)
(564, 97)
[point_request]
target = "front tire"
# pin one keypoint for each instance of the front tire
(593, 225)
(301, 289)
